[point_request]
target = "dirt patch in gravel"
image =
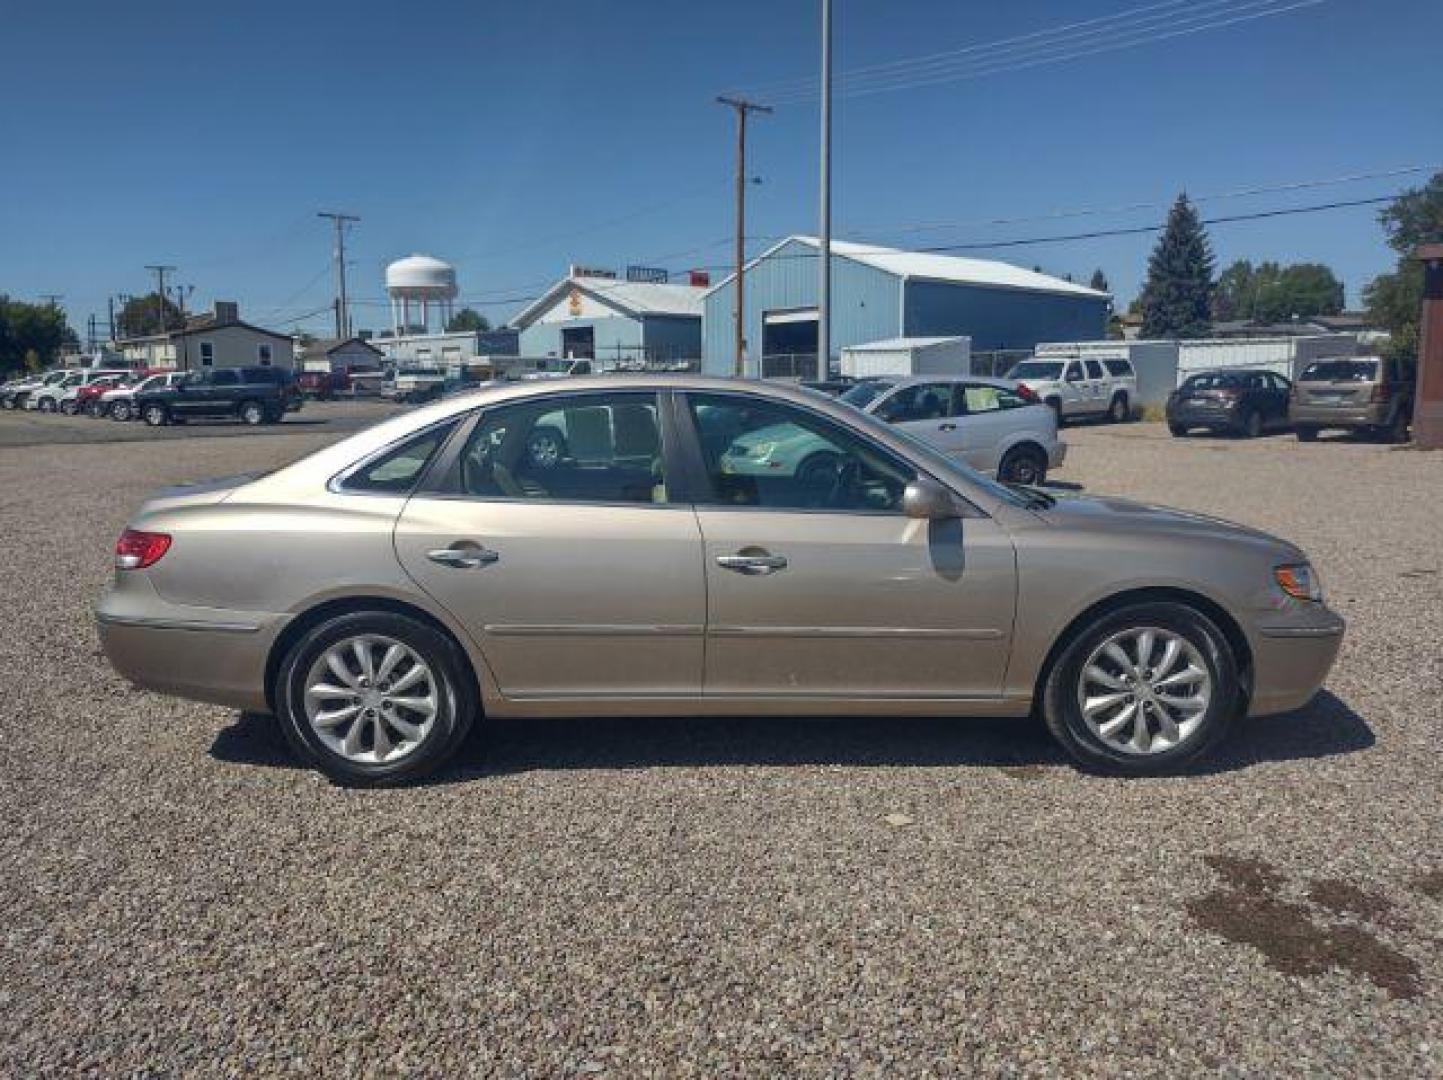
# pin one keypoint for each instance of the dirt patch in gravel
(1344, 898)
(1430, 884)
(1249, 911)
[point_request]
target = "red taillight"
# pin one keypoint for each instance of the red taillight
(1026, 393)
(136, 550)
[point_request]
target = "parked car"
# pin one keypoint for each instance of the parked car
(1364, 393)
(252, 395)
(831, 387)
(1239, 401)
(321, 385)
(381, 595)
(22, 394)
(414, 386)
(1076, 387)
(118, 403)
(78, 393)
(996, 426)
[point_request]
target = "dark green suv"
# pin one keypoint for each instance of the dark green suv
(252, 395)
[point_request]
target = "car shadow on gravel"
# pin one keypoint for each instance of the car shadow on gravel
(1019, 747)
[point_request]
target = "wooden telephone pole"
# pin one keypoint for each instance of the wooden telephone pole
(742, 107)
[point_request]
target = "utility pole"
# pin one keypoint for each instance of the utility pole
(742, 107)
(160, 272)
(52, 299)
(824, 260)
(343, 313)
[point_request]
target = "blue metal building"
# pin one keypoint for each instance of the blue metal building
(879, 293)
(605, 319)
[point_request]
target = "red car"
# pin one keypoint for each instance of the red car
(322, 385)
(87, 398)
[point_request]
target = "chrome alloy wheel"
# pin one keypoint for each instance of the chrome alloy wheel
(371, 699)
(1144, 690)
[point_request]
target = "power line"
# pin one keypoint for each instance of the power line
(1209, 15)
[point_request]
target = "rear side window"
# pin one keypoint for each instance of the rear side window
(920, 401)
(980, 398)
(396, 470)
(1094, 369)
(1122, 369)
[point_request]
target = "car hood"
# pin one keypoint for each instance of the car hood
(1107, 513)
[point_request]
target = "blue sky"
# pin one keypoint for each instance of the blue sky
(514, 138)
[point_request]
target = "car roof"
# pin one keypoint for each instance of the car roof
(977, 380)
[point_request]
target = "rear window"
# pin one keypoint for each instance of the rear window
(864, 393)
(1121, 368)
(1037, 369)
(1340, 371)
(1212, 380)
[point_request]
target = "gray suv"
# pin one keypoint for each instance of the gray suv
(1368, 393)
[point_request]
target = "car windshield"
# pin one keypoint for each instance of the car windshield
(866, 392)
(1037, 369)
(1341, 371)
(1213, 380)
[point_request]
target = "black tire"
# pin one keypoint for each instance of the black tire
(66, 408)
(45, 405)
(1118, 411)
(1023, 464)
(455, 693)
(1062, 711)
(1179, 431)
(251, 413)
(1250, 426)
(1397, 431)
(545, 447)
(156, 415)
(121, 410)
(1305, 434)
(274, 414)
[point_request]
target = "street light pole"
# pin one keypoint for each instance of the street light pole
(742, 107)
(824, 254)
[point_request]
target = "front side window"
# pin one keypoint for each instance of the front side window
(588, 448)
(920, 401)
(1074, 372)
(1094, 369)
(776, 456)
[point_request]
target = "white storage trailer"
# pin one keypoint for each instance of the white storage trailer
(908, 356)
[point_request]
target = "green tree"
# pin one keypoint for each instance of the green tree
(1176, 295)
(1271, 292)
(1395, 301)
(468, 319)
(31, 335)
(1099, 281)
(140, 317)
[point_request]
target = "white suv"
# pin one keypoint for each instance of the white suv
(1078, 386)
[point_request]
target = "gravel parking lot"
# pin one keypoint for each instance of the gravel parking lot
(730, 896)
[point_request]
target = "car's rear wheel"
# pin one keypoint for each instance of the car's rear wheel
(45, 405)
(1251, 425)
(1305, 434)
(67, 408)
(120, 410)
(374, 697)
(156, 415)
(1025, 464)
(1179, 431)
(1143, 689)
(1118, 411)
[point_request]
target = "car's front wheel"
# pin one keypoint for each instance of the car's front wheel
(156, 415)
(251, 413)
(1023, 465)
(1142, 689)
(1119, 411)
(119, 410)
(374, 697)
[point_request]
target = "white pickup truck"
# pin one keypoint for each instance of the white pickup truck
(1078, 387)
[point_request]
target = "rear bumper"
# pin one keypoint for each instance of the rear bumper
(1198, 414)
(1292, 659)
(205, 654)
(1368, 415)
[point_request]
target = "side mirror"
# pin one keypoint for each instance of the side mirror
(927, 499)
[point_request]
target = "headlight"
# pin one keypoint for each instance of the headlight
(1300, 581)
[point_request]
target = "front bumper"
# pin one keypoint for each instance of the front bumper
(205, 654)
(1292, 658)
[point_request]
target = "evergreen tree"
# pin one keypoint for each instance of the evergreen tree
(1176, 296)
(1099, 281)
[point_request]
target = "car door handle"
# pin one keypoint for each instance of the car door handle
(752, 565)
(947, 427)
(464, 558)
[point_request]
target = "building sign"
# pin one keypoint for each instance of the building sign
(651, 274)
(578, 271)
(573, 302)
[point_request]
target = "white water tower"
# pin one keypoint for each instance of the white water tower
(425, 283)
